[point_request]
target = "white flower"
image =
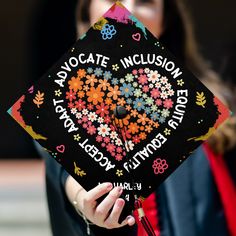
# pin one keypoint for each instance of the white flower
(100, 120)
(146, 70)
(163, 95)
(129, 145)
(151, 85)
(163, 80)
(153, 76)
(92, 116)
(103, 130)
(113, 135)
(73, 110)
(85, 112)
(118, 142)
(163, 88)
(168, 86)
(122, 80)
(171, 92)
(165, 113)
(78, 115)
(158, 85)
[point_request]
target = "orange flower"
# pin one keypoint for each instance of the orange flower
(156, 125)
(75, 84)
(133, 128)
(142, 136)
(141, 128)
(114, 92)
(128, 107)
(142, 118)
(81, 73)
(91, 80)
(148, 128)
(126, 120)
(80, 94)
(121, 101)
(112, 107)
(95, 95)
(103, 84)
(134, 113)
(86, 88)
(108, 101)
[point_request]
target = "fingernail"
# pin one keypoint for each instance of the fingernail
(121, 202)
(119, 190)
(109, 186)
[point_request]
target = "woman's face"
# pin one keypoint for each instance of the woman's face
(149, 12)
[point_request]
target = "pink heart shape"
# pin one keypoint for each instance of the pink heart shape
(136, 36)
(61, 148)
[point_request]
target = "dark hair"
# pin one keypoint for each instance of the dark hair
(178, 37)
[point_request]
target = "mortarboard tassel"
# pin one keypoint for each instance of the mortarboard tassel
(120, 113)
(143, 218)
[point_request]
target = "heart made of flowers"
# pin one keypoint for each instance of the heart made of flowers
(94, 94)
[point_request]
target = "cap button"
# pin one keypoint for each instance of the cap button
(120, 112)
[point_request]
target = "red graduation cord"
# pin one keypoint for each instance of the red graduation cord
(138, 203)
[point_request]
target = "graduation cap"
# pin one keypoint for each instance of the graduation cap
(119, 107)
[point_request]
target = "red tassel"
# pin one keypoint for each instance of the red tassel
(143, 218)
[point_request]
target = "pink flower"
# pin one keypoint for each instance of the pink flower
(85, 125)
(145, 89)
(158, 102)
(136, 139)
(80, 105)
(111, 147)
(107, 119)
(99, 138)
(91, 130)
(142, 79)
(119, 149)
(119, 157)
(85, 119)
(168, 103)
(71, 105)
(102, 109)
(155, 93)
(70, 95)
(140, 70)
(159, 166)
(106, 139)
(90, 106)
(135, 72)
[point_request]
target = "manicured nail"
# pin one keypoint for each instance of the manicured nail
(120, 202)
(119, 190)
(109, 186)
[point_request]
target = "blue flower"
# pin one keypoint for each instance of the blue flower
(162, 119)
(129, 101)
(139, 104)
(90, 70)
(108, 31)
(155, 116)
(107, 75)
(126, 90)
(114, 81)
(98, 71)
(147, 110)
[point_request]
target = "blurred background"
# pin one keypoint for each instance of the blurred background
(36, 31)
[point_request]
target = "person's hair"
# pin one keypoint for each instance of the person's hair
(178, 37)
